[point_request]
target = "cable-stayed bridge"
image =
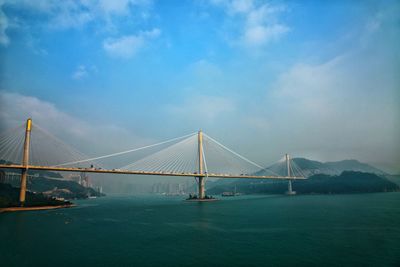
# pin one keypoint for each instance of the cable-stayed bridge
(29, 147)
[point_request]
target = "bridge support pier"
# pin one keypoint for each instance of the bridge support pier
(25, 162)
(202, 193)
(290, 191)
(22, 191)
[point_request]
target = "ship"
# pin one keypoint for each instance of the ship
(230, 194)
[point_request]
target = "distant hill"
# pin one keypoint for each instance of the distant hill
(394, 178)
(346, 182)
(9, 197)
(41, 173)
(54, 187)
(353, 165)
(311, 167)
(61, 188)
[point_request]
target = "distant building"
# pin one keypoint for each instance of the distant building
(85, 180)
(14, 177)
(75, 177)
(169, 188)
(82, 179)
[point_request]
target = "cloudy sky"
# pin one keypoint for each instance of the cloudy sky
(317, 79)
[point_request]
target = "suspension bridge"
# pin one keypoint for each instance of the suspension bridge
(29, 147)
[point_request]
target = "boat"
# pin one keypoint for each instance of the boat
(230, 194)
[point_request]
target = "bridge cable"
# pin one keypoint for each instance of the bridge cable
(233, 152)
(170, 157)
(127, 151)
(204, 159)
(59, 152)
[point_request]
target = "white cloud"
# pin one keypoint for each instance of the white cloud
(154, 33)
(16, 108)
(128, 46)
(92, 139)
(241, 6)
(342, 107)
(258, 23)
(234, 6)
(70, 13)
(68, 19)
(374, 23)
(205, 70)
(346, 106)
(83, 71)
(60, 15)
(116, 7)
(120, 7)
(80, 73)
(202, 109)
(260, 35)
(34, 44)
(4, 40)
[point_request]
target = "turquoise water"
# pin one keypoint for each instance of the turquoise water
(318, 230)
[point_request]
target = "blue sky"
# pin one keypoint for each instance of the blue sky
(313, 78)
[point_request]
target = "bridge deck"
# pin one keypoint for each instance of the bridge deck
(119, 171)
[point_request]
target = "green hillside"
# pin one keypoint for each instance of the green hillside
(9, 197)
(346, 182)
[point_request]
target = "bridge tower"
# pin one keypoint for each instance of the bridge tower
(290, 191)
(25, 161)
(201, 182)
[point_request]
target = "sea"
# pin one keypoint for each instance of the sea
(258, 230)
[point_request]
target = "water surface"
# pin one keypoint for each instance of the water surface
(314, 230)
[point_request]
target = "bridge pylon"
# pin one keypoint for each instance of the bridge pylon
(289, 175)
(25, 161)
(201, 181)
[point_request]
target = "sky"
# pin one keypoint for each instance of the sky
(315, 79)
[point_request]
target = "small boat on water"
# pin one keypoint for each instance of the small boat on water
(230, 194)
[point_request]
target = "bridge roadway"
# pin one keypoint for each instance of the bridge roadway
(119, 171)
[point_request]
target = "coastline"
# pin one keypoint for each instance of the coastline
(201, 200)
(13, 209)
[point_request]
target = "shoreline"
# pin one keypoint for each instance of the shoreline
(13, 209)
(202, 200)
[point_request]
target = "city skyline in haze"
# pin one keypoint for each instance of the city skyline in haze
(314, 79)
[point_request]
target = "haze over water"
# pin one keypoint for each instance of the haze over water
(315, 230)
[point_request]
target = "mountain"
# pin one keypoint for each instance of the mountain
(61, 188)
(345, 183)
(41, 173)
(53, 187)
(353, 165)
(394, 178)
(9, 197)
(310, 167)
